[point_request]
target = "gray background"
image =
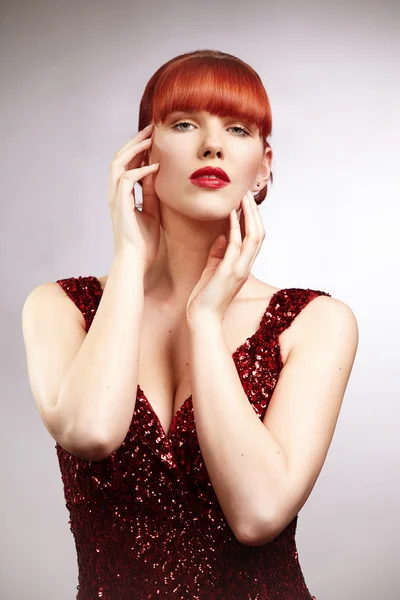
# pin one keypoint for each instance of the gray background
(72, 75)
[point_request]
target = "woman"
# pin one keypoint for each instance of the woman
(189, 484)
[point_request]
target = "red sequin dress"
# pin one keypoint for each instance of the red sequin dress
(146, 520)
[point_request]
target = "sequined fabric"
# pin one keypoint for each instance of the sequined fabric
(146, 521)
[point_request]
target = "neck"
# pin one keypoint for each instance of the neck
(182, 255)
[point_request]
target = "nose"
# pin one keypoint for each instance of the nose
(211, 149)
(213, 152)
(211, 144)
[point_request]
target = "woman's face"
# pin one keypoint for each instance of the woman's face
(186, 142)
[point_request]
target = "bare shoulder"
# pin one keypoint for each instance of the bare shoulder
(325, 317)
(48, 296)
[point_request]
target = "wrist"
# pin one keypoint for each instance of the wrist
(129, 259)
(201, 318)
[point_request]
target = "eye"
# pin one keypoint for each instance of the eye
(241, 128)
(243, 134)
(181, 123)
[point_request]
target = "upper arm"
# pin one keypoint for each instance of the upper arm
(306, 402)
(53, 330)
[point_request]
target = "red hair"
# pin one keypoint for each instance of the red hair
(211, 81)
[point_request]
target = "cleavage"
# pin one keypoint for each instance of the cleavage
(164, 374)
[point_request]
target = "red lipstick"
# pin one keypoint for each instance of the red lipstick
(210, 177)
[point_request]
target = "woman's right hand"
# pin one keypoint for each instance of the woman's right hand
(134, 230)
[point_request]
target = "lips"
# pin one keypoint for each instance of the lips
(216, 171)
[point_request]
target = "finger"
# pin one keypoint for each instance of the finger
(125, 162)
(251, 239)
(136, 174)
(138, 137)
(129, 178)
(260, 226)
(124, 157)
(250, 245)
(151, 202)
(144, 148)
(234, 245)
(259, 221)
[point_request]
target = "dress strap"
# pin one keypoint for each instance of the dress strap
(285, 305)
(86, 293)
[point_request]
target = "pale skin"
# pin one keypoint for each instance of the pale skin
(192, 217)
(262, 471)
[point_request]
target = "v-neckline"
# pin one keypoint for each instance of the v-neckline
(168, 435)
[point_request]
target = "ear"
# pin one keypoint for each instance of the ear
(264, 171)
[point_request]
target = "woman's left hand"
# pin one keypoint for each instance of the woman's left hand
(228, 268)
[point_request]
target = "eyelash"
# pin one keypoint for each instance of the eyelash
(244, 134)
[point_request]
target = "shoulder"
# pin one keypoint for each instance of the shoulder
(45, 294)
(304, 316)
(77, 294)
(325, 318)
(50, 300)
(327, 308)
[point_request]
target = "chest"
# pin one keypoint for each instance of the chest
(164, 361)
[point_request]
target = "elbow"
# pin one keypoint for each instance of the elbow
(94, 448)
(95, 453)
(257, 534)
(80, 441)
(90, 449)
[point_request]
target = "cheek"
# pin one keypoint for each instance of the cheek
(165, 150)
(171, 157)
(250, 164)
(170, 175)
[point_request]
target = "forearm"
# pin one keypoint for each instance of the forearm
(97, 397)
(245, 463)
